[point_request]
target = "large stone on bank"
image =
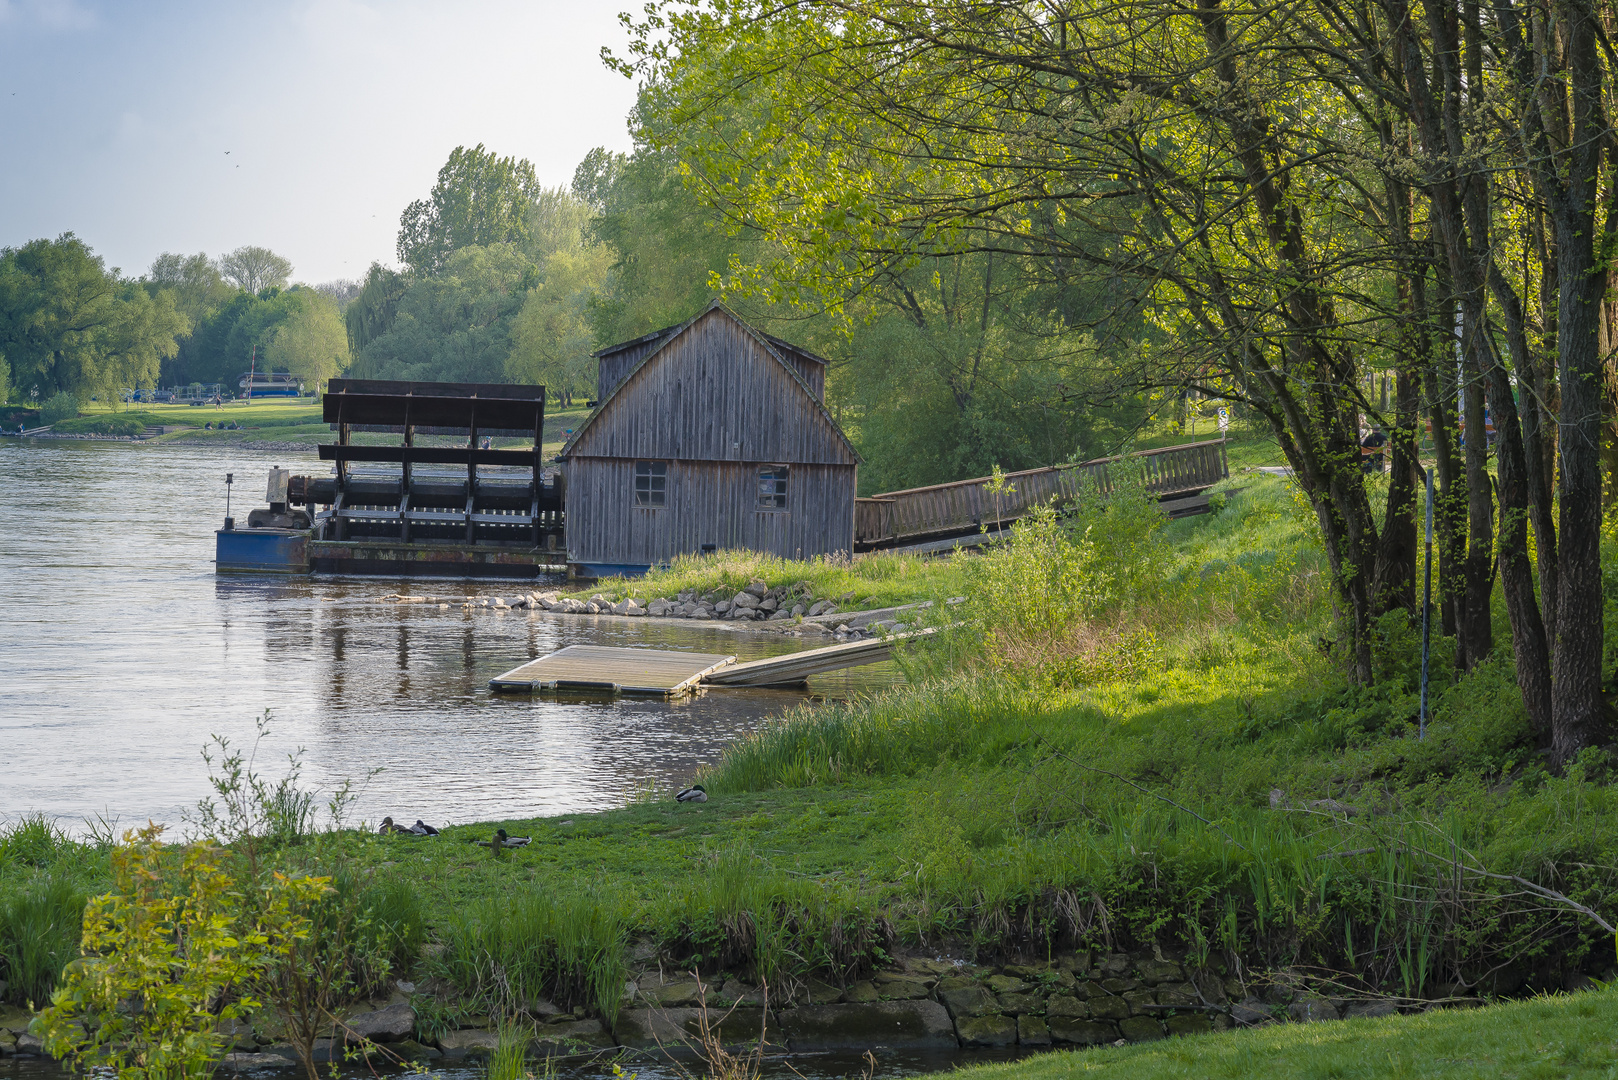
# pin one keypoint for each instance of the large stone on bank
(685, 992)
(1140, 1029)
(15, 1020)
(658, 607)
(411, 1050)
(970, 1000)
(1021, 1004)
(813, 991)
(673, 1029)
(902, 989)
(1153, 972)
(862, 991)
(468, 1043)
(1080, 1032)
(901, 1025)
(1109, 1007)
(29, 1043)
(744, 601)
(384, 1025)
(568, 1037)
(1188, 1024)
(238, 1034)
(1180, 995)
(254, 1062)
(1070, 1007)
(1310, 1009)
(1031, 1031)
(993, 1030)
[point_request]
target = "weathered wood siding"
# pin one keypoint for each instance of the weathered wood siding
(706, 502)
(614, 364)
(714, 393)
(811, 367)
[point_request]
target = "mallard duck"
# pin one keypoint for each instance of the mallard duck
(694, 793)
(501, 840)
(421, 828)
(388, 826)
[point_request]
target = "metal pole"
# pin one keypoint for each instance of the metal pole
(1426, 610)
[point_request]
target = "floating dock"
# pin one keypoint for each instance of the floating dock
(667, 673)
(609, 670)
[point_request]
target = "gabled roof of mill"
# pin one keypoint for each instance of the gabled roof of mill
(772, 347)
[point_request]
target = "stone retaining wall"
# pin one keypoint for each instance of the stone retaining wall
(1078, 999)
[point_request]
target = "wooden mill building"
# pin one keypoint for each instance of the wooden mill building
(707, 435)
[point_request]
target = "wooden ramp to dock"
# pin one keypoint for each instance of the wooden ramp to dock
(792, 669)
(666, 673)
(611, 670)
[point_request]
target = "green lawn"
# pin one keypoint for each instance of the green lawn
(1542, 1039)
(294, 421)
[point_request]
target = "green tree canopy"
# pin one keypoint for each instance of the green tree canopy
(479, 200)
(310, 340)
(68, 324)
(454, 326)
(254, 269)
(551, 339)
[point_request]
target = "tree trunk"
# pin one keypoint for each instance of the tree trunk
(1577, 710)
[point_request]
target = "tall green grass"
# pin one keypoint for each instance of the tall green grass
(883, 578)
(512, 950)
(40, 926)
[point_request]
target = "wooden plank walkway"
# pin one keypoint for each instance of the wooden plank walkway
(792, 669)
(612, 670)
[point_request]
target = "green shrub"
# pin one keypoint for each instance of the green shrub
(58, 407)
(109, 424)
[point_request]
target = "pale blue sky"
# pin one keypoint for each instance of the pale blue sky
(115, 118)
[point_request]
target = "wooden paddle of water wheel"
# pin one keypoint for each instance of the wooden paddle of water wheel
(410, 509)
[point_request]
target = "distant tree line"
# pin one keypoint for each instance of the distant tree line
(71, 326)
(939, 369)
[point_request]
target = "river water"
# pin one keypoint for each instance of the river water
(121, 654)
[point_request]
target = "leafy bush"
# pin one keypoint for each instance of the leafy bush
(110, 424)
(60, 406)
(173, 949)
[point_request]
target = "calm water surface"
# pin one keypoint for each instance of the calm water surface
(121, 653)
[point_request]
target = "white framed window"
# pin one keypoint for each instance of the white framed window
(651, 483)
(772, 487)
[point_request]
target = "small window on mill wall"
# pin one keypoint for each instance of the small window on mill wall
(651, 482)
(772, 487)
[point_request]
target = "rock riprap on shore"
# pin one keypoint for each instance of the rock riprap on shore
(788, 609)
(1078, 999)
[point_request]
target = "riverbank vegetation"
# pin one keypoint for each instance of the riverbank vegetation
(1134, 734)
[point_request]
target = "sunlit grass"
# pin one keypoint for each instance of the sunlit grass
(1563, 1036)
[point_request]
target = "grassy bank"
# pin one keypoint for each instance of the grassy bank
(1562, 1037)
(1137, 736)
(287, 421)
